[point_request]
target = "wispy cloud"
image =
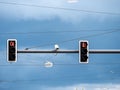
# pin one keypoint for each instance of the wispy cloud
(39, 13)
(87, 87)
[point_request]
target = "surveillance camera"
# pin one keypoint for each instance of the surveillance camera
(56, 47)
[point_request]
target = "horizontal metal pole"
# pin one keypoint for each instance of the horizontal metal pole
(105, 51)
(92, 51)
(49, 51)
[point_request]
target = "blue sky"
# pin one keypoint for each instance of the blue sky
(29, 73)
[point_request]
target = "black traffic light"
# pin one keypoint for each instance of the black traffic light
(11, 50)
(83, 51)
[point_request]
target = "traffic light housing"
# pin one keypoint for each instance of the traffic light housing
(83, 51)
(11, 50)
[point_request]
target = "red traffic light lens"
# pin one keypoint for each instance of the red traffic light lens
(84, 44)
(12, 43)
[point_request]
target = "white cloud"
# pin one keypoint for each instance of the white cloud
(48, 64)
(37, 13)
(72, 1)
(86, 87)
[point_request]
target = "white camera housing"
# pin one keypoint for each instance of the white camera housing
(56, 47)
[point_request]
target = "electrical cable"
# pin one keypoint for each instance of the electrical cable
(58, 64)
(46, 32)
(57, 78)
(61, 42)
(60, 8)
